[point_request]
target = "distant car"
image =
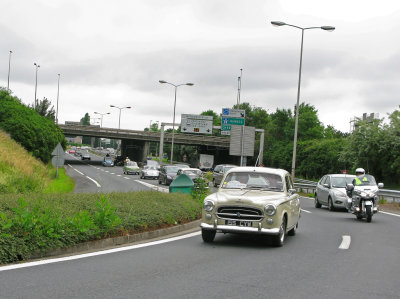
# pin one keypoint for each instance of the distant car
(85, 156)
(149, 172)
(219, 172)
(131, 167)
(167, 174)
(108, 162)
(182, 165)
(71, 151)
(193, 173)
(331, 191)
(153, 163)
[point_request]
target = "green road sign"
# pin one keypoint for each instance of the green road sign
(233, 121)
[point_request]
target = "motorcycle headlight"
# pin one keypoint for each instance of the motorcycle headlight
(371, 194)
(270, 210)
(363, 194)
(208, 205)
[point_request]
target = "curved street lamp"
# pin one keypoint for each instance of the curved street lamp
(327, 28)
(37, 66)
(101, 117)
(120, 108)
(173, 121)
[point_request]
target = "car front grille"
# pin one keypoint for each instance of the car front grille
(240, 213)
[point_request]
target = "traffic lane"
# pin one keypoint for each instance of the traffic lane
(110, 179)
(310, 265)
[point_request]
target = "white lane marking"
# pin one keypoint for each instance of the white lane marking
(103, 252)
(112, 173)
(154, 187)
(126, 178)
(346, 240)
(118, 175)
(305, 211)
(391, 214)
(76, 170)
(97, 184)
(106, 170)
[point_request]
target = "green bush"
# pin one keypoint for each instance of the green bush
(48, 221)
(37, 134)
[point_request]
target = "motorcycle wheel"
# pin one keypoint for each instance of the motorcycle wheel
(369, 213)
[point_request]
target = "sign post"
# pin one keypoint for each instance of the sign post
(58, 159)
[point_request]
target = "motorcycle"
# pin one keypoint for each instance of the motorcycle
(364, 197)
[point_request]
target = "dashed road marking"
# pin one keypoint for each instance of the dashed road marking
(97, 184)
(305, 211)
(346, 240)
(118, 175)
(391, 214)
(112, 173)
(126, 178)
(154, 187)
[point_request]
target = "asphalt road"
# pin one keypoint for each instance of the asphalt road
(91, 176)
(309, 265)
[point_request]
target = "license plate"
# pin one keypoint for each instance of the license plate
(239, 223)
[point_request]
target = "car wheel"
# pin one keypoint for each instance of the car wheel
(293, 231)
(330, 205)
(279, 240)
(159, 182)
(215, 184)
(317, 204)
(208, 235)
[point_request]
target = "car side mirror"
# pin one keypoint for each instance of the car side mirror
(326, 185)
(292, 191)
(349, 187)
(380, 185)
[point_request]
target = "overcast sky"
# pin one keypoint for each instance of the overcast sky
(115, 52)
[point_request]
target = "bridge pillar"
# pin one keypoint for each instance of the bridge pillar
(136, 150)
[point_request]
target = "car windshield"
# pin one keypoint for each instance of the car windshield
(367, 180)
(192, 171)
(341, 182)
(253, 180)
(150, 168)
(228, 167)
(171, 169)
(131, 163)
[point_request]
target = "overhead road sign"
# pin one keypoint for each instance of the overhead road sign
(197, 124)
(231, 117)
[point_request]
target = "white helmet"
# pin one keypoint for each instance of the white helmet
(360, 171)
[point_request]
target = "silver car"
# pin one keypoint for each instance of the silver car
(219, 172)
(331, 191)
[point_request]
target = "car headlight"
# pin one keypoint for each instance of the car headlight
(270, 210)
(339, 194)
(169, 177)
(208, 205)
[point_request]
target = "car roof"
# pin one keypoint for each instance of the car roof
(225, 165)
(277, 171)
(190, 169)
(342, 175)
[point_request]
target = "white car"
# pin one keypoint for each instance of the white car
(149, 172)
(252, 200)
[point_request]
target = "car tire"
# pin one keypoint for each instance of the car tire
(293, 231)
(279, 239)
(317, 203)
(159, 182)
(330, 205)
(208, 235)
(215, 185)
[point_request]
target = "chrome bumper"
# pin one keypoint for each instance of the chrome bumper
(240, 229)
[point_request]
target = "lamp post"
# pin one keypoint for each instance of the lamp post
(9, 69)
(37, 66)
(120, 108)
(58, 95)
(327, 28)
(101, 117)
(173, 121)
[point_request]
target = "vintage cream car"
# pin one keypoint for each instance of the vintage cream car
(253, 200)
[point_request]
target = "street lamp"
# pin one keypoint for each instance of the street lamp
(58, 95)
(173, 121)
(120, 108)
(327, 28)
(37, 66)
(101, 117)
(9, 68)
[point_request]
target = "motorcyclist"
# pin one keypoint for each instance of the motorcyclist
(357, 181)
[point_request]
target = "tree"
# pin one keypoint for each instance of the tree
(85, 120)
(45, 109)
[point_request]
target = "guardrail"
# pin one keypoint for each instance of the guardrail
(310, 186)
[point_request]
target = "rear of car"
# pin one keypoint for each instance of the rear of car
(219, 172)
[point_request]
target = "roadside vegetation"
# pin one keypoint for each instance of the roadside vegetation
(37, 223)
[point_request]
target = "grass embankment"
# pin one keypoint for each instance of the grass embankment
(20, 172)
(40, 223)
